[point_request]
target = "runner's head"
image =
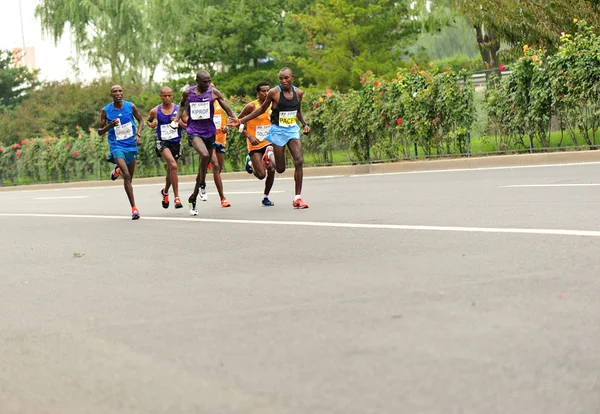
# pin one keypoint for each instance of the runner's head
(203, 80)
(262, 89)
(286, 78)
(116, 93)
(166, 95)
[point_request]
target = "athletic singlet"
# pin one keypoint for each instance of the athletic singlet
(164, 132)
(259, 128)
(287, 110)
(220, 119)
(200, 110)
(121, 137)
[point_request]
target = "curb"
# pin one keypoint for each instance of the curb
(465, 163)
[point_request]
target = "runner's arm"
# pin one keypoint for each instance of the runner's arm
(246, 111)
(258, 111)
(219, 97)
(138, 117)
(300, 114)
(184, 118)
(103, 126)
(182, 105)
(152, 122)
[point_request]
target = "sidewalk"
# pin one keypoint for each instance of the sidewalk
(466, 163)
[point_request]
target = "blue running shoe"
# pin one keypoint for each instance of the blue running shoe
(267, 203)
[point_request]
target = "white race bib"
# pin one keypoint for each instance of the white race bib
(287, 119)
(262, 131)
(167, 133)
(200, 110)
(217, 119)
(124, 131)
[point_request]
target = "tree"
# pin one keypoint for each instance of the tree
(519, 22)
(109, 33)
(349, 37)
(15, 82)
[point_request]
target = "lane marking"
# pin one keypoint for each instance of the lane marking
(511, 167)
(550, 185)
(405, 227)
(60, 198)
(248, 192)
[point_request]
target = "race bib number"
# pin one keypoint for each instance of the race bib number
(199, 110)
(262, 131)
(287, 118)
(167, 133)
(217, 119)
(124, 131)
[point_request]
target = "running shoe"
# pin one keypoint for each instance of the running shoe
(203, 195)
(266, 159)
(267, 203)
(249, 169)
(192, 206)
(177, 203)
(225, 203)
(135, 213)
(299, 204)
(115, 173)
(165, 198)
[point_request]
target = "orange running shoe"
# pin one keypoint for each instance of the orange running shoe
(135, 213)
(225, 203)
(165, 198)
(115, 173)
(178, 203)
(299, 204)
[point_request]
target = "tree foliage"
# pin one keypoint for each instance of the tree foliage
(15, 82)
(519, 22)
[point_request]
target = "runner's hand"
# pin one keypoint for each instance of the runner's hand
(233, 122)
(114, 122)
(138, 141)
(253, 140)
(306, 130)
(153, 124)
(224, 129)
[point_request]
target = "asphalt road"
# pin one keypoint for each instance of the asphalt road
(446, 292)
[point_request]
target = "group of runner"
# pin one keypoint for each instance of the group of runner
(269, 124)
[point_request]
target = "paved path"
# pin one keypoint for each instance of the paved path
(446, 292)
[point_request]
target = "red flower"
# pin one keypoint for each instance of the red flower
(75, 154)
(18, 146)
(24, 142)
(18, 155)
(14, 165)
(76, 126)
(376, 83)
(502, 67)
(47, 141)
(68, 146)
(328, 93)
(399, 121)
(1, 150)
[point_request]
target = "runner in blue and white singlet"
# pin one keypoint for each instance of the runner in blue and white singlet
(168, 141)
(118, 119)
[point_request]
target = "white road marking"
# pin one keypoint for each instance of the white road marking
(550, 185)
(511, 167)
(60, 198)
(248, 192)
(405, 227)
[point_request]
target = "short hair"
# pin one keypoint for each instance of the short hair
(261, 84)
(165, 88)
(286, 68)
(202, 72)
